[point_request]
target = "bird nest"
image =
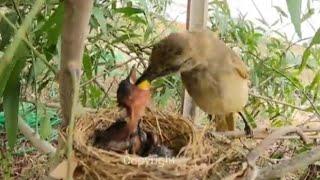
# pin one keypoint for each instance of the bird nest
(196, 156)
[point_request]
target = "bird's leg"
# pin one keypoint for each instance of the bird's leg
(230, 121)
(210, 117)
(221, 124)
(247, 127)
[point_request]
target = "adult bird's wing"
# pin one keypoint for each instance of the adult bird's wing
(239, 66)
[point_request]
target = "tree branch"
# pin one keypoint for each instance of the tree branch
(34, 138)
(278, 102)
(299, 162)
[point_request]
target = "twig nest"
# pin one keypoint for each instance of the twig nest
(195, 157)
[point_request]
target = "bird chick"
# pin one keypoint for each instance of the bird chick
(126, 135)
(134, 98)
(214, 76)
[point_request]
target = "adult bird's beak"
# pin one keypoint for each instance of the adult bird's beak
(147, 75)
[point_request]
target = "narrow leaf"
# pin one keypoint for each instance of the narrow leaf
(128, 11)
(87, 66)
(45, 126)
(52, 27)
(11, 103)
(280, 11)
(294, 8)
(315, 80)
(316, 38)
(99, 16)
(307, 52)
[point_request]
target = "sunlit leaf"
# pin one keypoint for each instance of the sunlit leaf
(294, 8)
(307, 52)
(53, 26)
(87, 66)
(129, 11)
(99, 16)
(315, 81)
(45, 129)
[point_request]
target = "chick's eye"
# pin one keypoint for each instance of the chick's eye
(178, 51)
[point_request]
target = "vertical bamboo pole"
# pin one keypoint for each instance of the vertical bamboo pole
(74, 34)
(197, 15)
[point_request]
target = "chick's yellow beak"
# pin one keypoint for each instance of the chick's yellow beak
(144, 85)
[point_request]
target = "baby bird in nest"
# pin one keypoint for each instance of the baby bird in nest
(124, 135)
(214, 76)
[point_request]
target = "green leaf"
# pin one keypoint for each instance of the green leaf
(11, 96)
(315, 40)
(39, 67)
(315, 80)
(99, 16)
(129, 11)
(87, 66)
(45, 129)
(6, 31)
(53, 26)
(124, 37)
(294, 8)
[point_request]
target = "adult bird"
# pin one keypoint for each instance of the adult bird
(214, 76)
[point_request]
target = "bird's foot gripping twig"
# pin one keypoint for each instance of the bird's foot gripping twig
(247, 128)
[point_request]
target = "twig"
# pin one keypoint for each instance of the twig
(34, 138)
(276, 101)
(250, 170)
(299, 162)
(264, 145)
(57, 105)
(107, 71)
(292, 82)
(17, 10)
(262, 18)
(261, 132)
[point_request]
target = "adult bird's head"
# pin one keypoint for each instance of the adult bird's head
(172, 54)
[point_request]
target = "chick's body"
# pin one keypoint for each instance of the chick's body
(214, 76)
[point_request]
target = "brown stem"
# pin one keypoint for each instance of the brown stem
(74, 33)
(260, 133)
(272, 138)
(299, 162)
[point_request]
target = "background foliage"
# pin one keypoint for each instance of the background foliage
(122, 34)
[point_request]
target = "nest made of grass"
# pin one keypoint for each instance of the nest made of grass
(196, 157)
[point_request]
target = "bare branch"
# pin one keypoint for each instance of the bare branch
(301, 161)
(34, 138)
(278, 102)
(261, 133)
(272, 138)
